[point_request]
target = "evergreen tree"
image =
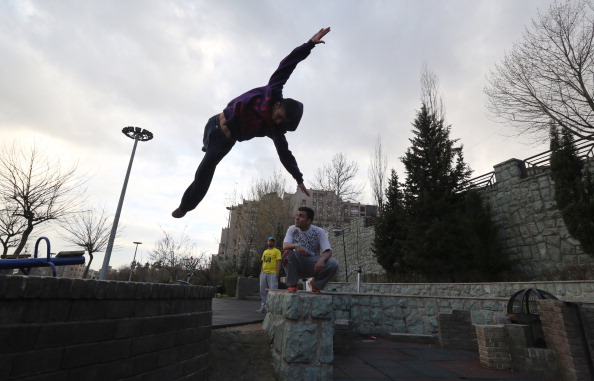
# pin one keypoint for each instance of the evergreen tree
(574, 188)
(480, 255)
(390, 229)
(431, 228)
(435, 171)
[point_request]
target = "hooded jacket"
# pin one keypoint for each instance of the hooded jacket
(250, 114)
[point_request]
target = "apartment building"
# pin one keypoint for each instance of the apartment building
(331, 214)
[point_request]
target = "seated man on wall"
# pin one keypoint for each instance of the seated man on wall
(308, 253)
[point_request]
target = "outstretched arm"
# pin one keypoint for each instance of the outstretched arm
(317, 38)
(288, 64)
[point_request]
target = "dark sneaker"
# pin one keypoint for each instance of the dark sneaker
(292, 288)
(178, 213)
(313, 288)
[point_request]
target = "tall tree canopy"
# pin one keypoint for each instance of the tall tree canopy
(549, 74)
(34, 189)
(390, 229)
(435, 171)
(431, 228)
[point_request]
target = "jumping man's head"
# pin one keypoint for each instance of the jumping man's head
(304, 217)
(287, 113)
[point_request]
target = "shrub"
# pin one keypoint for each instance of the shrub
(230, 282)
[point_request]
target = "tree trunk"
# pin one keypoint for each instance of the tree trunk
(88, 265)
(24, 238)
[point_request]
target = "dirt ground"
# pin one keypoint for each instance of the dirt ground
(241, 353)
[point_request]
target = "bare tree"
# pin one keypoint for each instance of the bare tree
(11, 227)
(37, 189)
(430, 95)
(169, 253)
(89, 229)
(339, 177)
(197, 268)
(548, 76)
(274, 208)
(377, 173)
(265, 212)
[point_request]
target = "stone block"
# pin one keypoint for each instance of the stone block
(96, 331)
(18, 338)
(54, 335)
(291, 306)
(413, 319)
(388, 302)
(301, 343)
(46, 361)
(321, 307)
(278, 336)
(327, 342)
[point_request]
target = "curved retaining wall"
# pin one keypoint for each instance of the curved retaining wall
(67, 329)
(381, 308)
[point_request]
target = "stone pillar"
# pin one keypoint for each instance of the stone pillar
(248, 288)
(456, 331)
(493, 346)
(566, 333)
(509, 171)
(300, 327)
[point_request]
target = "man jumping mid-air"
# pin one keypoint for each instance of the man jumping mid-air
(257, 113)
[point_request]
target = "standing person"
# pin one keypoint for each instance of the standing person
(270, 271)
(257, 113)
(308, 253)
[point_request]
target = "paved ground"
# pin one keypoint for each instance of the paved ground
(379, 359)
(227, 312)
(383, 359)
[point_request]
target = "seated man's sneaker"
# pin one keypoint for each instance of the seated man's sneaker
(313, 288)
(292, 288)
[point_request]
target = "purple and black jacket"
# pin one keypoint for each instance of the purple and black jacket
(250, 114)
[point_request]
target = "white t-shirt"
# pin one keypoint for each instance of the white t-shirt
(315, 240)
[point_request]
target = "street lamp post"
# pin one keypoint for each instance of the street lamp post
(346, 270)
(138, 134)
(133, 265)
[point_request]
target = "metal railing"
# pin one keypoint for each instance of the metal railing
(534, 164)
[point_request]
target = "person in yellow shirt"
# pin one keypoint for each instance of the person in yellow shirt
(270, 271)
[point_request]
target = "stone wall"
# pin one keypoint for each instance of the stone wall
(74, 329)
(382, 308)
(456, 331)
(301, 329)
(568, 331)
(578, 290)
(522, 202)
(352, 249)
(531, 227)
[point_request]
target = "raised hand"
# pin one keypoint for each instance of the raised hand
(317, 38)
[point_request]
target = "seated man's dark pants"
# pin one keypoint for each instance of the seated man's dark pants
(298, 266)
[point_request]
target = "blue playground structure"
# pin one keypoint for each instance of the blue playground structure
(63, 258)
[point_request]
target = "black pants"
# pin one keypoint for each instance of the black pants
(216, 146)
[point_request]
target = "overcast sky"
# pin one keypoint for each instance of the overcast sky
(74, 73)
